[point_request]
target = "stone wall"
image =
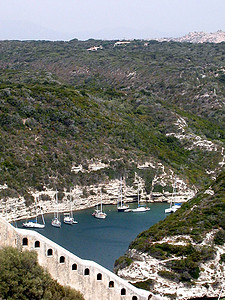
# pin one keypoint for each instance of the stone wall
(92, 280)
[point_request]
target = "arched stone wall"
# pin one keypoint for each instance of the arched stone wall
(92, 280)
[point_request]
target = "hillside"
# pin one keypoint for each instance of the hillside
(136, 108)
(184, 254)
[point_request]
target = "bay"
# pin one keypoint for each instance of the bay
(102, 240)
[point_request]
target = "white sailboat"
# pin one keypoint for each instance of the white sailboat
(98, 213)
(68, 217)
(56, 221)
(140, 208)
(121, 207)
(173, 206)
(34, 223)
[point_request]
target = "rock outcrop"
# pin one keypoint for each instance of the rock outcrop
(199, 37)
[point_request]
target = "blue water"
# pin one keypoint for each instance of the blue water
(102, 241)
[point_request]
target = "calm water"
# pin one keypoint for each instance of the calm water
(102, 241)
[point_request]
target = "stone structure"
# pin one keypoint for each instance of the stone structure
(92, 280)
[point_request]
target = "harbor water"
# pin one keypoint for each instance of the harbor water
(102, 240)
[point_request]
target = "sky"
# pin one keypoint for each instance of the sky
(108, 19)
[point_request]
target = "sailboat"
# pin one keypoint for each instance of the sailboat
(121, 207)
(98, 213)
(55, 221)
(140, 208)
(68, 217)
(34, 223)
(173, 206)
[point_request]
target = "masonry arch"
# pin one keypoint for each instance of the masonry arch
(86, 271)
(37, 244)
(99, 276)
(62, 259)
(111, 284)
(49, 252)
(134, 298)
(123, 292)
(25, 241)
(74, 267)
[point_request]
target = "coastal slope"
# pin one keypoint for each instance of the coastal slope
(182, 256)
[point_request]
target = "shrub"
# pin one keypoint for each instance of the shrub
(22, 278)
(219, 238)
(168, 275)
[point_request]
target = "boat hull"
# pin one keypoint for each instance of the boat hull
(33, 225)
(99, 215)
(122, 208)
(140, 209)
(56, 223)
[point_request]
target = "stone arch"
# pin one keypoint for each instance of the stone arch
(111, 284)
(86, 271)
(99, 276)
(134, 298)
(123, 291)
(37, 244)
(49, 252)
(25, 241)
(62, 259)
(74, 267)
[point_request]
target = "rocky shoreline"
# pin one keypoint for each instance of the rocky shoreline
(209, 284)
(82, 198)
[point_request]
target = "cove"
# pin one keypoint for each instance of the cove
(102, 241)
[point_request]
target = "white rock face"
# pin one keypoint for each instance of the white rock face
(209, 284)
(199, 37)
(193, 141)
(89, 196)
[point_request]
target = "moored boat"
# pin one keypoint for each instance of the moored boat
(98, 213)
(56, 221)
(68, 217)
(121, 207)
(34, 223)
(140, 208)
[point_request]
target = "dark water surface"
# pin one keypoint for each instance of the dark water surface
(102, 241)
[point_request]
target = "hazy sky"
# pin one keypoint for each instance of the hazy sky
(67, 19)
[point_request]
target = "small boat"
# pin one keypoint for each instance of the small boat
(34, 223)
(121, 207)
(173, 206)
(140, 208)
(98, 213)
(55, 221)
(68, 217)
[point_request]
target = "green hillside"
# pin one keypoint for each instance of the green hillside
(196, 218)
(61, 105)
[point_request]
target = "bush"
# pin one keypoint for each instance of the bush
(21, 277)
(222, 258)
(168, 275)
(219, 238)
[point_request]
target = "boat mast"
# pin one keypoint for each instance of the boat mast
(35, 201)
(57, 209)
(138, 194)
(121, 191)
(101, 201)
(71, 213)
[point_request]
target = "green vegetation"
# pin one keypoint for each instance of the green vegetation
(195, 218)
(62, 105)
(146, 285)
(122, 262)
(22, 278)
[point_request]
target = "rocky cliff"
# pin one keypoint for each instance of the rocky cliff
(183, 256)
(199, 37)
